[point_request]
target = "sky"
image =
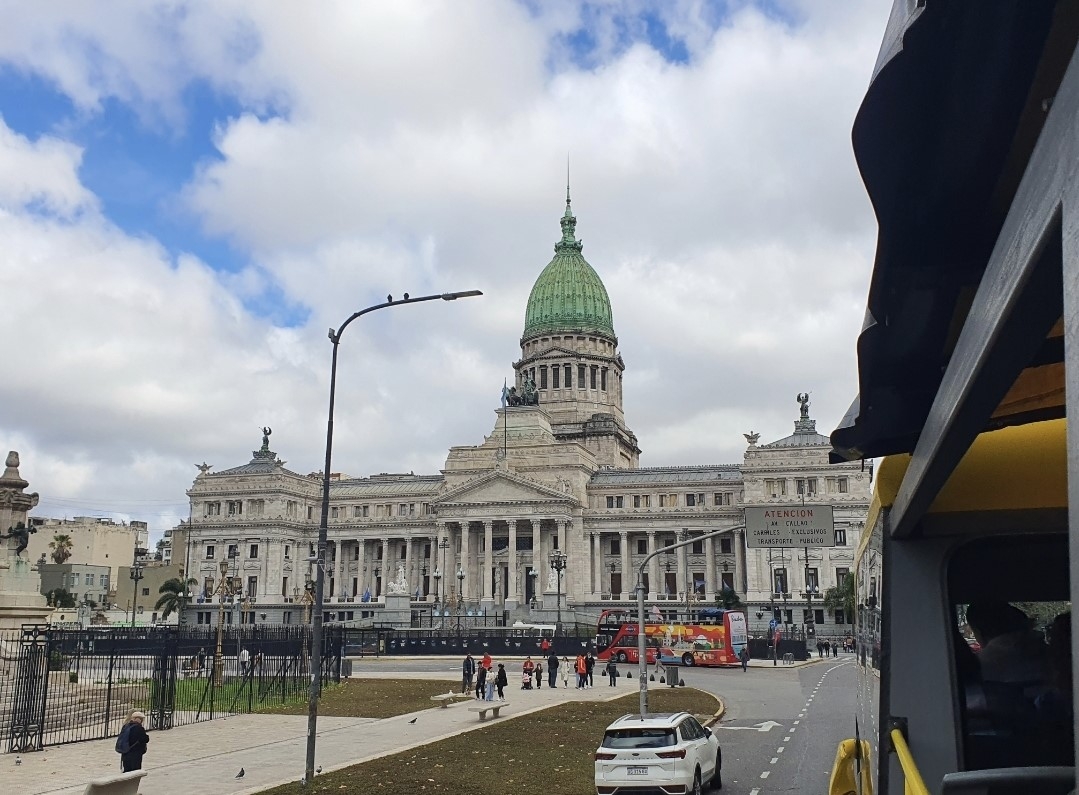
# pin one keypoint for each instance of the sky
(191, 194)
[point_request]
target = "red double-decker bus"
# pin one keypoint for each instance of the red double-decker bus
(705, 636)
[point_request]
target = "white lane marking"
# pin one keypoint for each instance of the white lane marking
(765, 774)
(794, 730)
(755, 791)
(796, 723)
(786, 739)
(774, 760)
(780, 749)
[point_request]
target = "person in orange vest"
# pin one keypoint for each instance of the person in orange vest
(527, 669)
(486, 662)
(582, 671)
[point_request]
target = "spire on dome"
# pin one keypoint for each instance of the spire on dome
(569, 225)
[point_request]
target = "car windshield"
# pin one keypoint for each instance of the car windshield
(639, 738)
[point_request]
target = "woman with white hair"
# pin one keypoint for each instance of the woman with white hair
(131, 743)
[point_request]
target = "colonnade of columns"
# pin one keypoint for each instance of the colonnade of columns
(462, 553)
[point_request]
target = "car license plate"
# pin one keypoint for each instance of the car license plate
(637, 771)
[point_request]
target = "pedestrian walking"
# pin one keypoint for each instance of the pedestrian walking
(612, 672)
(468, 671)
(743, 655)
(820, 649)
(202, 660)
(827, 649)
(245, 658)
(501, 680)
(258, 662)
(563, 668)
(131, 742)
(835, 649)
(481, 681)
(539, 674)
(552, 670)
(590, 663)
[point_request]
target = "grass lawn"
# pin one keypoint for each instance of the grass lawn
(369, 698)
(541, 753)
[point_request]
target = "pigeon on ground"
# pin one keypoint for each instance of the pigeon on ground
(18, 760)
(318, 769)
(240, 774)
(413, 720)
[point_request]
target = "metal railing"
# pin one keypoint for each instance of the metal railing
(913, 784)
(70, 685)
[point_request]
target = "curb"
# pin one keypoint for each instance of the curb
(718, 716)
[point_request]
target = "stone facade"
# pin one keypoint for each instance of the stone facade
(94, 541)
(558, 474)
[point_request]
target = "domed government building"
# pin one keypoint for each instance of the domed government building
(557, 480)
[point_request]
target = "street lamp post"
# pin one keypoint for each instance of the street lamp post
(443, 545)
(682, 537)
(136, 576)
(219, 651)
(460, 593)
(316, 625)
(558, 563)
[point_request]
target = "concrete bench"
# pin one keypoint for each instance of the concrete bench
(445, 699)
(122, 784)
(488, 706)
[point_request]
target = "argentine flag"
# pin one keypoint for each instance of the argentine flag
(505, 392)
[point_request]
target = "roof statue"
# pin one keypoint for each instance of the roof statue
(803, 400)
(266, 431)
(21, 533)
(752, 437)
(203, 468)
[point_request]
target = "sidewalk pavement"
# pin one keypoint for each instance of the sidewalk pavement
(271, 749)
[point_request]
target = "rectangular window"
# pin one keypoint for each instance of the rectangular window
(213, 509)
(726, 580)
(555, 371)
(356, 551)
(603, 379)
(253, 551)
(811, 487)
(89, 579)
(789, 616)
(209, 552)
(642, 548)
(402, 509)
(145, 591)
(818, 616)
(841, 574)
(569, 376)
(252, 586)
(726, 546)
(841, 484)
(235, 507)
(779, 579)
(412, 509)
(812, 579)
(404, 549)
(104, 582)
(290, 508)
(356, 512)
(616, 546)
(366, 511)
(286, 617)
(776, 488)
(840, 616)
(543, 377)
(207, 587)
(841, 536)
(284, 586)
(288, 551)
(592, 379)
(310, 512)
(691, 500)
(610, 502)
(234, 551)
(334, 512)
(721, 498)
(697, 548)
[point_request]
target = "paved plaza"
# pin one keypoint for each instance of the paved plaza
(205, 757)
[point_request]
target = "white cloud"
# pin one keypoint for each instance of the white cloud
(392, 147)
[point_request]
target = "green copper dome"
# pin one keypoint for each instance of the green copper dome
(568, 296)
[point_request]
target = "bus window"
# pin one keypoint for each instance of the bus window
(1013, 651)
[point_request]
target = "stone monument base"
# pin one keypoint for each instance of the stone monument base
(398, 610)
(21, 601)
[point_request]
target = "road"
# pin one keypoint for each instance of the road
(781, 728)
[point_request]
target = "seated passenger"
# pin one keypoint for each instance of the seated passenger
(1054, 706)
(1011, 652)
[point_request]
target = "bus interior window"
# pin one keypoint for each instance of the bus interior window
(1012, 644)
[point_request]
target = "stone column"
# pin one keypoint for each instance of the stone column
(341, 569)
(563, 531)
(387, 569)
(628, 580)
(409, 578)
(653, 567)
(740, 566)
(363, 568)
(680, 576)
(467, 589)
(596, 565)
(539, 561)
(487, 602)
(710, 586)
(513, 598)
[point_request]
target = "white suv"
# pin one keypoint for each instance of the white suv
(670, 754)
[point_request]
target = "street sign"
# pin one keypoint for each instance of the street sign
(789, 526)
(773, 624)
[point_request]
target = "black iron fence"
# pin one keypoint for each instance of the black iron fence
(64, 685)
(495, 640)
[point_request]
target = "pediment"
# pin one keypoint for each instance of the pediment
(501, 487)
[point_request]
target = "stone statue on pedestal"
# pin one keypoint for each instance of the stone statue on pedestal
(21, 533)
(400, 585)
(552, 579)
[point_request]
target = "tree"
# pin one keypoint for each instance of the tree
(61, 548)
(841, 597)
(60, 597)
(172, 596)
(728, 599)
